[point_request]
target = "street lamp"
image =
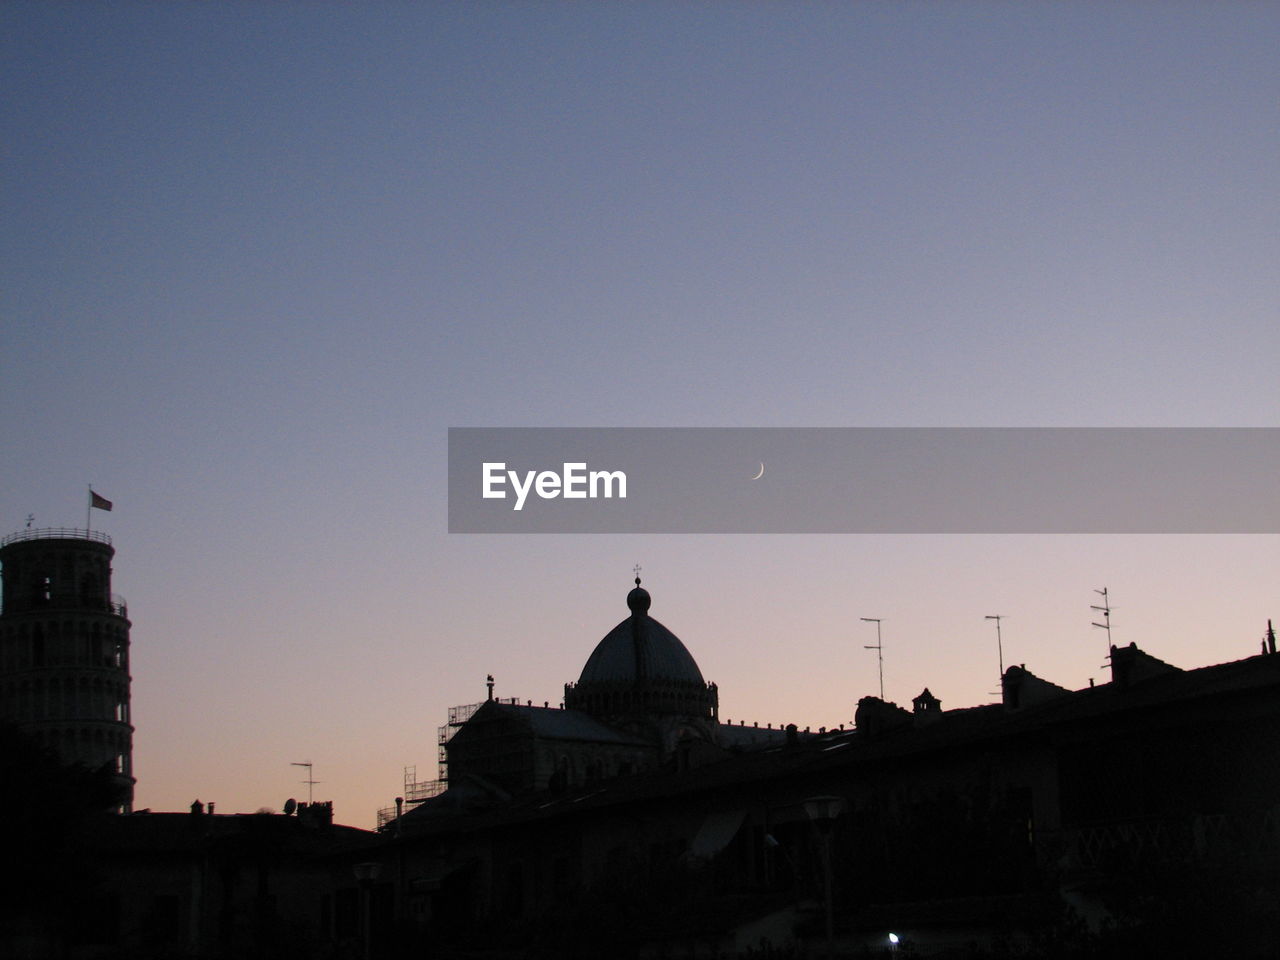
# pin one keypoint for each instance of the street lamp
(772, 843)
(822, 812)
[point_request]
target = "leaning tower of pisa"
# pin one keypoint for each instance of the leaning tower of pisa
(64, 648)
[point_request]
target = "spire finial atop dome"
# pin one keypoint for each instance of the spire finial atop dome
(638, 599)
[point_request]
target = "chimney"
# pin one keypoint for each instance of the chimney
(1021, 688)
(926, 707)
(1129, 666)
(874, 716)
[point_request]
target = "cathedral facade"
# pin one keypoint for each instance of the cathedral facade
(640, 705)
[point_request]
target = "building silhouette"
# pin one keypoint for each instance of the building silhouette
(640, 704)
(64, 649)
(1138, 817)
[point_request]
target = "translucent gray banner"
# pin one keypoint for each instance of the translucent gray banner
(864, 480)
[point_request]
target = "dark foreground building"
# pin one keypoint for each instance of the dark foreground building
(85, 884)
(1140, 817)
(1137, 818)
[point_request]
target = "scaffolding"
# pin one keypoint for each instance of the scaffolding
(457, 717)
(415, 790)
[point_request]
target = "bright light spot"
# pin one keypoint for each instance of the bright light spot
(893, 938)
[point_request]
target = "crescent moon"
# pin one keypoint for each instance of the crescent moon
(761, 473)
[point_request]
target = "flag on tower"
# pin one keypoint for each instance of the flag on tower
(97, 502)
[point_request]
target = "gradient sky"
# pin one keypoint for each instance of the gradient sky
(257, 259)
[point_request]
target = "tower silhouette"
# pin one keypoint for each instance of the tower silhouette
(64, 648)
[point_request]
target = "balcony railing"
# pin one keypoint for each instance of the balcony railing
(115, 604)
(56, 533)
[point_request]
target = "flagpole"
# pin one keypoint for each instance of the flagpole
(88, 508)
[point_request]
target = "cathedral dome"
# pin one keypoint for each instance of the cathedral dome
(641, 666)
(640, 648)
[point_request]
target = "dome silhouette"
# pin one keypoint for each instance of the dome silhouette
(641, 667)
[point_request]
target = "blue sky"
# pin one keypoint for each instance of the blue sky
(260, 257)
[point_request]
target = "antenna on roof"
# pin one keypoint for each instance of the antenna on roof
(878, 648)
(1105, 610)
(1270, 645)
(309, 781)
(997, 617)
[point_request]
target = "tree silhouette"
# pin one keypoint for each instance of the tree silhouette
(49, 809)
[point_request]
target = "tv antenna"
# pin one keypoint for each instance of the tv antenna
(997, 617)
(309, 781)
(878, 648)
(1105, 610)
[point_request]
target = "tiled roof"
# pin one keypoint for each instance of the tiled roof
(554, 724)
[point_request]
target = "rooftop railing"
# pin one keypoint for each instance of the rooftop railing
(56, 533)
